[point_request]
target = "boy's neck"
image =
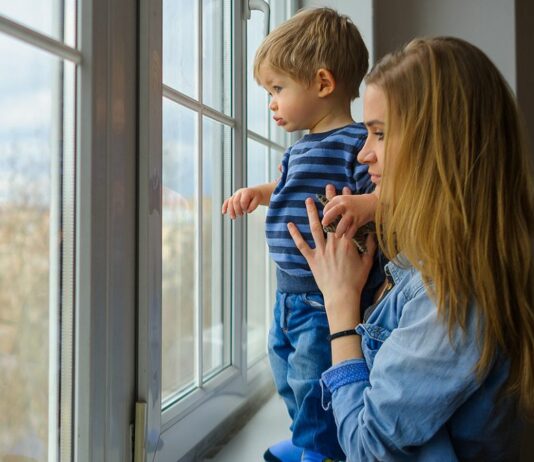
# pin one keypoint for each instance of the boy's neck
(332, 116)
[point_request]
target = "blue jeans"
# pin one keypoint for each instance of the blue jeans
(299, 352)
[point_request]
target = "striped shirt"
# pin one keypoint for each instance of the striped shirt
(308, 166)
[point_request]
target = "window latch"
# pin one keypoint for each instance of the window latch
(259, 5)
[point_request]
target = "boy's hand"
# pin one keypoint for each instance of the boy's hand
(244, 200)
(355, 210)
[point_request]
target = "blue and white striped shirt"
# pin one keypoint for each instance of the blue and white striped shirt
(308, 166)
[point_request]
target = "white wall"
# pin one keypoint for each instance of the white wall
(488, 24)
(361, 13)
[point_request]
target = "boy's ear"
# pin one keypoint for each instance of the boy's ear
(325, 82)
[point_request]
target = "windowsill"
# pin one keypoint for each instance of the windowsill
(268, 426)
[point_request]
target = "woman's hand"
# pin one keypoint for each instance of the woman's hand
(339, 270)
(355, 211)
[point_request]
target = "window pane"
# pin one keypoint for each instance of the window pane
(55, 18)
(257, 258)
(179, 244)
(278, 15)
(257, 103)
(216, 150)
(180, 45)
(216, 55)
(31, 131)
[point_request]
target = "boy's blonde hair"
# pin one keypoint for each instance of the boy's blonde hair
(457, 195)
(314, 39)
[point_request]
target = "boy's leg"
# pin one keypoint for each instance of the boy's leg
(279, 350)
(314, 429)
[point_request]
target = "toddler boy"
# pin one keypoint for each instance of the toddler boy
(312, 66)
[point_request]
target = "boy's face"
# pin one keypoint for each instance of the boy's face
(294, 104)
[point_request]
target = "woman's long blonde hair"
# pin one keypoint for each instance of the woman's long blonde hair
(458, 195)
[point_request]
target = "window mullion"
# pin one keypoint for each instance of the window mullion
(199, 309)
(39, 40)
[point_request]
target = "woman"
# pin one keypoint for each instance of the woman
(440, 366)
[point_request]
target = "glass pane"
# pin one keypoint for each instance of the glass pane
(216, 148)
(180, 45)
(278, 15)
(257, 258)
(55, 18)
(31, 132)
(179, 244)
(257, 103)
(217, 55)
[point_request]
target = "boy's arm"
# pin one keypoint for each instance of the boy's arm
(266, 191)
(246, 200)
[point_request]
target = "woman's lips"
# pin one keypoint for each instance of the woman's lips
(375, 178)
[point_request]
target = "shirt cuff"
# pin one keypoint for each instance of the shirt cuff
(353, 370)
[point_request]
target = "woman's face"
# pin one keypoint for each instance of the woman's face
(374, 116)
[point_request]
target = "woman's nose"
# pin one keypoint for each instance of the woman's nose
(366, 155)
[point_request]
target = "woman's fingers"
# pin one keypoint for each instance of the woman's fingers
(330, 191)
(351, 232)
(347, 191)
(331, 213)
(299, 241)
(315, 225)
(343, 225)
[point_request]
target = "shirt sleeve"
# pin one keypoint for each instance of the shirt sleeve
(419, 377)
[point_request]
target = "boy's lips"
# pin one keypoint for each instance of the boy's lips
(279, 121)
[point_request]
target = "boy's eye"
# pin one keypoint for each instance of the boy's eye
(277, 89)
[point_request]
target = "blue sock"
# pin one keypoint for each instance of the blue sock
(284, 451)
(310, 456)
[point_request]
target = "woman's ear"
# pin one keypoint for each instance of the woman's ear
(325, 82)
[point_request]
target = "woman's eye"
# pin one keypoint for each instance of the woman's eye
(379, 135)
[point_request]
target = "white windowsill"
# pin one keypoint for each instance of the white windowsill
(268, 426)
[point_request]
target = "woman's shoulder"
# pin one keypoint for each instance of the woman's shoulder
(406, 277)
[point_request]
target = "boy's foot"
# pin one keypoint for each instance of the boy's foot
(284, 451)
(310, 456)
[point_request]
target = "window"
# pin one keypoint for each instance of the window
(37, 156)
(266, 144)
(215, 276)
(197, 143)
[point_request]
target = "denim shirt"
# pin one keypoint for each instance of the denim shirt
(416, 396)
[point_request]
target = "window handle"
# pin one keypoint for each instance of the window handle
(259, 5)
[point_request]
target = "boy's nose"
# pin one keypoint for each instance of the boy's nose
(272, 105)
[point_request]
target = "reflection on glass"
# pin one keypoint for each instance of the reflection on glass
(55, 18)
(278, 15)
(216, 55)
(257, 102)
(216, 147)
(257, 258)
(179, 243)
(180, 45)
(30, 150)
